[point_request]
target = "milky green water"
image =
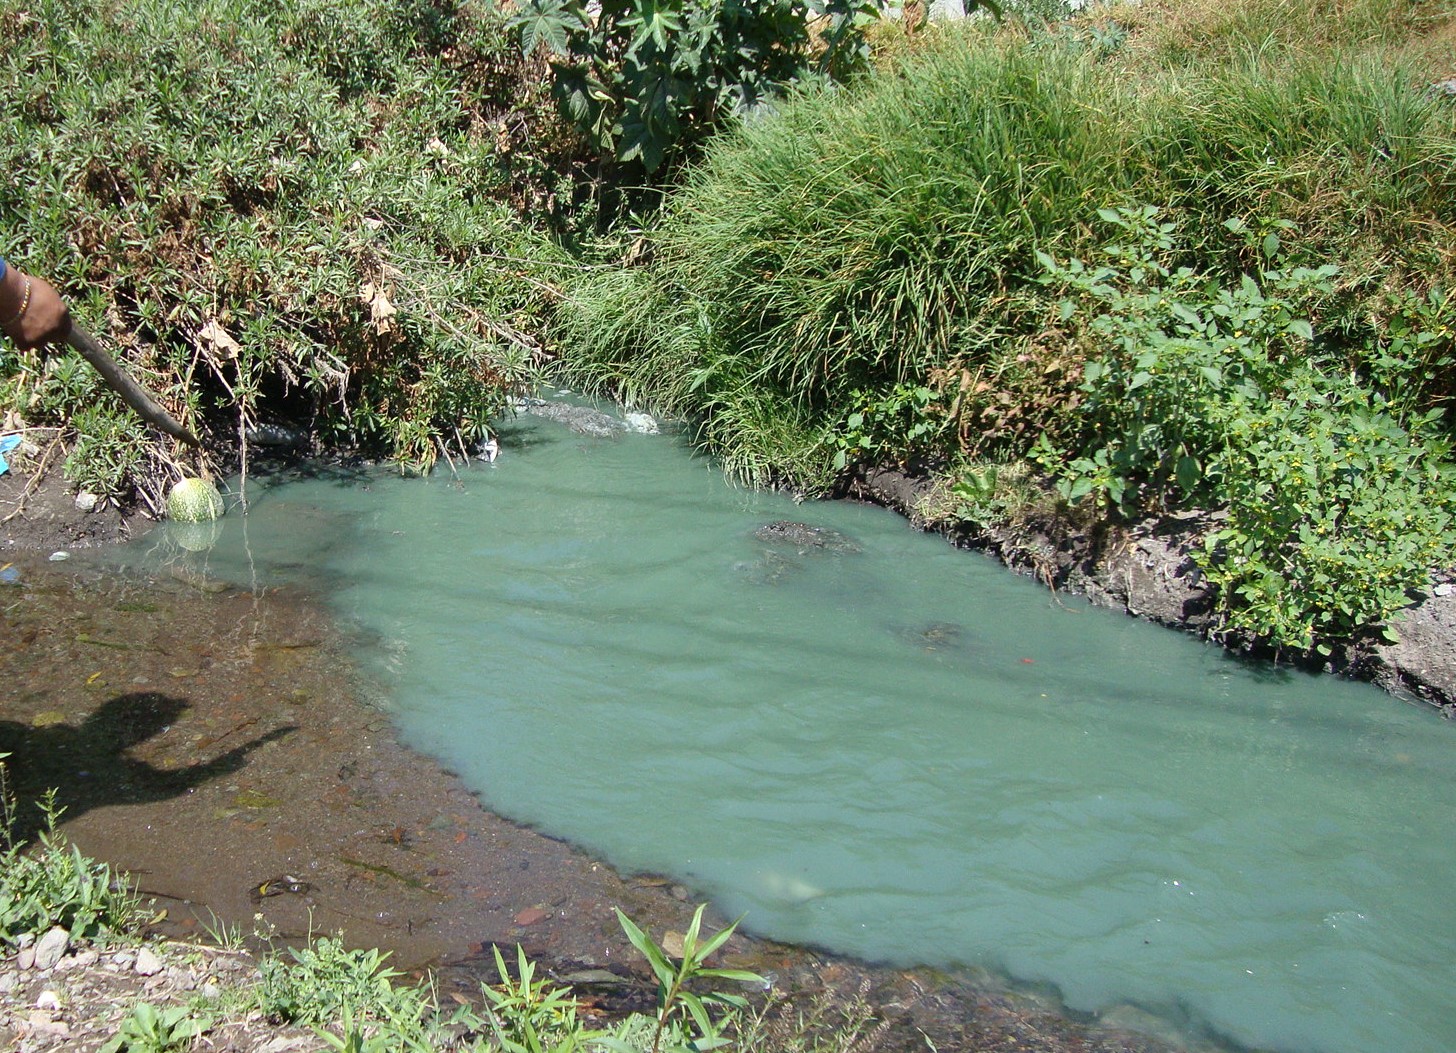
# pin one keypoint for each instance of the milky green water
(906, 753)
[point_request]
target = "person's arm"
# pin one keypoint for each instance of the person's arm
(32, 313)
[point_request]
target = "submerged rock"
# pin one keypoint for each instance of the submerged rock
(935, 636)
(805, 538)
(770, 570)
(584, 420)
(642, 423)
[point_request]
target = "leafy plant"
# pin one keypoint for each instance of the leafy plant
(325, 980)
(1214, 395)
(57, 886)
(649, 78)
(1410, 362)
(677, 1005)
(147, 1029)
(528, 1015)
(897, 426)
(994, 493)
(1335, 512)
(1170, 347)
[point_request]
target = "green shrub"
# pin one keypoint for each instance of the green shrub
(325, 980)
(650, 79)
(1335, 513)
(53, 884)
(887, 234)
(1168, 351)
(1199, 393)
(287, 208)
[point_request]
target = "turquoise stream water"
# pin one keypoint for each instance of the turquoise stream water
(904, 753)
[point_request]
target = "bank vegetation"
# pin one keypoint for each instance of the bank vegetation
(1144, 258)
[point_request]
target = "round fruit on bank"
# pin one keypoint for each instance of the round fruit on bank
(194, 501)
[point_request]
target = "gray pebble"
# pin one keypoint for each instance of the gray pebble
(147, 963)
(51, 948)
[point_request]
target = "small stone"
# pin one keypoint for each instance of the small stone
(26, 958)
(283, 1045)
(86, 501)
(531, 916)
(672, 943)
(48, 1000)
(147, 963)
(60, 557)
(679, 893)
(211, 990)
(642, 423)
(123, 960)
(52, 946)
(9, 981)
(84, 960)
(1444, 589)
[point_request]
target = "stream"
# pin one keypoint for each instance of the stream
(866, 741)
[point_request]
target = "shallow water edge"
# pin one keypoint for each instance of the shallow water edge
(218, 743)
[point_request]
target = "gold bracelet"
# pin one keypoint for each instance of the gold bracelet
(24, 305)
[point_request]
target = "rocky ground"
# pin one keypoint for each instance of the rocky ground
(75, 998)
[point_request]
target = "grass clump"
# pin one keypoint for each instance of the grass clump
(1171, 278)
(287, 209)
(887, 235)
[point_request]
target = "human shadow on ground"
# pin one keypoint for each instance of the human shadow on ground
(88, 766)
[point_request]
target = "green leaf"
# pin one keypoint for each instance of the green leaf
(717, 940)
(1188, 473)
(745, 976)
(647, 948)
(690, 938)
(543, 23)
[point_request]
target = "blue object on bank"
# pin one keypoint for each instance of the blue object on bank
(7, 443)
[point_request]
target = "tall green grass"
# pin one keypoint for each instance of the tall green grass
(883, 235)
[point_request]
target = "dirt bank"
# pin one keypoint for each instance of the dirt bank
(1146, 569)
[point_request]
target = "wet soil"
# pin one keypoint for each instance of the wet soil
(216, 744)
(39, 512)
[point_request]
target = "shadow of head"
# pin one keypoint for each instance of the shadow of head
(87, 765)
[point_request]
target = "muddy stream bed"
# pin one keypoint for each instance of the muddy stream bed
(218, 744)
